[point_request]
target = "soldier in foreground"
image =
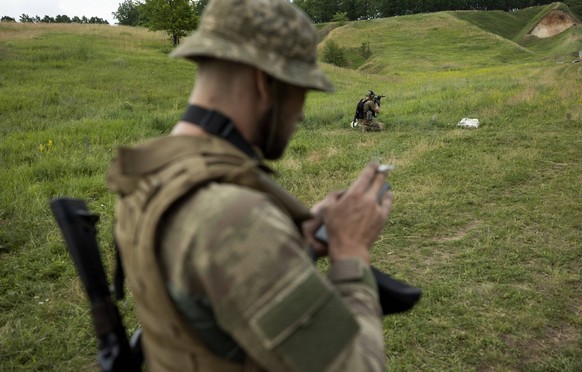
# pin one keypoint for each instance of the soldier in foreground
(214, 251)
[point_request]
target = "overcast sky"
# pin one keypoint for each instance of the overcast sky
(52, 8)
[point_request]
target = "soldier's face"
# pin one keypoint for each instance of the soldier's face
(289, 113)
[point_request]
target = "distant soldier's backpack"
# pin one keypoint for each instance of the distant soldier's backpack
(360, 114)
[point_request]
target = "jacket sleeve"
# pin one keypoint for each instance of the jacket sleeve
(356, 284)
(248, 259)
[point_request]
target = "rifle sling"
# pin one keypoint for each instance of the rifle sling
(119, 276)
(216, 123)
(103, 313)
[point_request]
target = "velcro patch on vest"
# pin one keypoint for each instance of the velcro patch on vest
(308, 326)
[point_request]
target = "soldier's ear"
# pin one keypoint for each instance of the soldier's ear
(264, 84)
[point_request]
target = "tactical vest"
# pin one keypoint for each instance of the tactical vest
(148, 180)
(360, 114)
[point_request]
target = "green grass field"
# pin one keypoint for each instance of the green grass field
(487, 221)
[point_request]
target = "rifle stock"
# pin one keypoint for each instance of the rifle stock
(395, 296)
(116, 352)
(77, 225)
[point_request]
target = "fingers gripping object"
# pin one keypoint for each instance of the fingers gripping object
(395, 296)
(384, 168)
(321, 233)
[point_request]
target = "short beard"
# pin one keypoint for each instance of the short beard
(274, 148)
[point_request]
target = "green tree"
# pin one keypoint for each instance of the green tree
(62, 19)
(127, 13)
(319, 10)
(25, 18)
(7, 19)
(334, 54)
(575, 6)
(176, 17)
(199, 6)
(365, 50)
(351, 8)
(48, 19)
(324, 10)
(97, 21)
(340, 18)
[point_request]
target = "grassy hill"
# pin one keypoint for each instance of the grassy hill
(516, 26)
(487, 221)
(448, 41)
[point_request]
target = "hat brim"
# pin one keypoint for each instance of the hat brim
(295, 72)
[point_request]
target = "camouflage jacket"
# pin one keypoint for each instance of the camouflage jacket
(238, 250)
(370, 111)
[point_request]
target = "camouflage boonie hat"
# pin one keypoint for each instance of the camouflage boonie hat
(271, 35)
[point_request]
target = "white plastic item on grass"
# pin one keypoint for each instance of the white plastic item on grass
(469, 123)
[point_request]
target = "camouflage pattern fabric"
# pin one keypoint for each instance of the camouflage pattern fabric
(272, 35)
(235, 247)
(370, 124)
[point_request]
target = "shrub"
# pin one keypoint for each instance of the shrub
(340, 18)
(334, 54)
(365, 50)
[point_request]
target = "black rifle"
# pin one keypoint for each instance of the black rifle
(377, 99)
(116, 353)
(395, 296)
(77, 225)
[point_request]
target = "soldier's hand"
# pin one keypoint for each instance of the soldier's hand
(310, 226)
(355, 218)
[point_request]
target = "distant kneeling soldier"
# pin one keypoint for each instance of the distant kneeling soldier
(370, 110)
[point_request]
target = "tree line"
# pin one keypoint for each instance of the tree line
(25, 18)
(179, 17)
(176, 17)
(352, 10)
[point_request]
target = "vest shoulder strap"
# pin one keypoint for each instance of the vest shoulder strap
(149, 179)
